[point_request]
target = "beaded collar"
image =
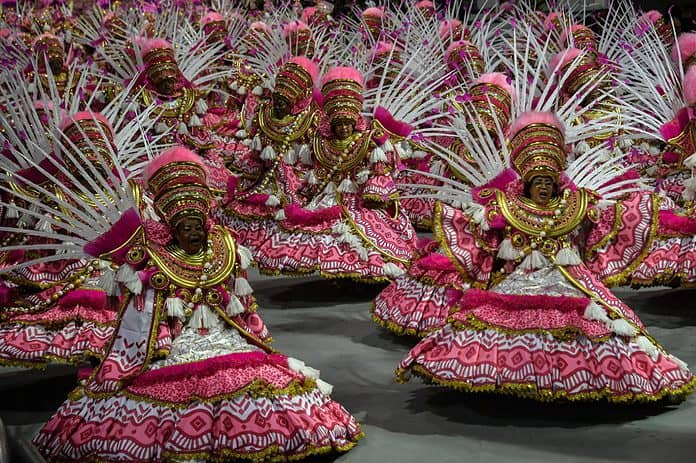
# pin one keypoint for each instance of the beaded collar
(287, 129)
(558, 218)
(341, 155)
(210, 268)
(175, 107)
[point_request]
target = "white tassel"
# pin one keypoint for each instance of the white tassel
(595, 312)
(290, 157)
(312, 178)
(392, 270)
(130, 279)
(268, 153)
(280, 215)
(242, 287)
(567, 256)
(272, 201)
(305, 155)
(11, 212)
(256, 143)
(690, 162)
(690, 184)
(324, 387)
(648, 347)
(100, 96)
(625, 142)
(258, 91)
(378, 155)
(347, 186)
(603, 155)
(437, 168)
(182, 130)
(418, 154)
(203, 317)
(623, 328)
(340, 228)
(246, 142)
(107, 279)
(44, 224)
(363, 176)
(233, 85)
(201, 106)
(241, 90)
(195, 121)
(477, 212)
(245, 257)
(507, 251)
(387, 146)
(161, 127)
(175, 307)
(241, 133)
(235, 306)
(535, 260)
(295, 365)
(582, 147)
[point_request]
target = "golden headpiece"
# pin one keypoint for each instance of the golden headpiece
(537, 146)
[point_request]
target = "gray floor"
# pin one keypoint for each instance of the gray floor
(328, 325)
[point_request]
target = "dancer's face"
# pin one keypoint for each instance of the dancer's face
(281, 105)
(190, 234)
(342, 129)
(541, 189)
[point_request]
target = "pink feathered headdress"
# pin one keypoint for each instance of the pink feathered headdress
(177, 180)
(537, 145)
(494, 91)
(296, 80)
(85, 116)
(149, 45)
(342, 97)
(582, 37)
(560, 60)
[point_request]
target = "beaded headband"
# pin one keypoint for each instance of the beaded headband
(538, 147)
(177, 180)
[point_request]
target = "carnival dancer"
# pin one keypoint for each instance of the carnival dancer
(347, 223)
(214, 392)
(543, 327)
(279, 140)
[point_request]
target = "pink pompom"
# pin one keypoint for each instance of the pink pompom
(686, 48)
(174, 154)
(536, 117)
(690, 87)
(212, 17)
(147, 45)
(373, 11)
(308, 65)
(82, 116)
(294, 27)
(342, 73)
(653, 16)
(496, 78)
(559, 60)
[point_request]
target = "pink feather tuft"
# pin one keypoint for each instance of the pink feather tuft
(672, 223)
(212, 17)
(653, 16)
(308, 65)
(174, 154)
(84, 115)
(436, 261)
(259, 26)
(308, 12)
(496, 78)
(500, 182)
(559, 60)
(147, 45)
(446, 27)
(690, 87)
(392, 125)
(425, 4)
(686, 48)
(383, 48)
(293, 27)
(296, 214)
(454, 47)
(116, 237)
(535, 117)
(342, 73)
(373, 11)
